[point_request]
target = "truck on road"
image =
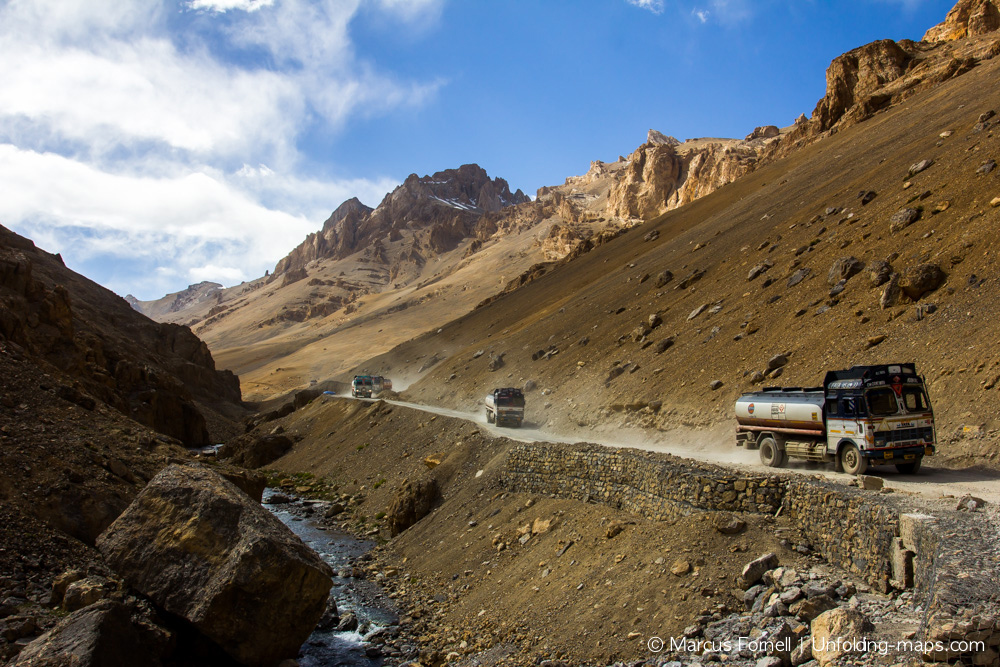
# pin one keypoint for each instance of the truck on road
(505, 406)
(380, 384)
(860, 417)
(362, 386)
(369, 386)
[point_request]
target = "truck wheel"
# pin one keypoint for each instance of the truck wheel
(770, 455)
(852, 461)
(910, 468)
(489, 417)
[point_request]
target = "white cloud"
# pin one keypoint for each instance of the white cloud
(185, 225)
(146, 92)
(726, 12)
(126, 128)
(228, 5)
(655, 6)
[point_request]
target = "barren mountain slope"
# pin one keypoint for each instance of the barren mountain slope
(95, 399)
(360, 287)
(161, 375)
(455, 236)
(789, 222)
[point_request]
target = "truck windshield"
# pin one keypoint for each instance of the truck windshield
(882, 402)
(915, 400)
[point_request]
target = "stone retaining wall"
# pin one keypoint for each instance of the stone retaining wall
(850, 530)
(954, 566)
(656, 486)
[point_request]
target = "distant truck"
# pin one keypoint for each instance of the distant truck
(380, 384)
(864, 416)
(369, 386)
(505, 406)
(362, 386)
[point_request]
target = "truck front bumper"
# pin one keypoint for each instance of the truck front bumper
(899, 454)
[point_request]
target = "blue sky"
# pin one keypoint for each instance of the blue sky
(159, 143)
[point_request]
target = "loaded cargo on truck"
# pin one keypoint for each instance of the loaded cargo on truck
(505, 406)
(863, 416)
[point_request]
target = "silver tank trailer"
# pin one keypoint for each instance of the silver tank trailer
(794, 409)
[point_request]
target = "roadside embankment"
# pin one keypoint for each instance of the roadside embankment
(889, 541)
(583, 552)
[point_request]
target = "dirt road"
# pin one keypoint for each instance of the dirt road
(719, 447)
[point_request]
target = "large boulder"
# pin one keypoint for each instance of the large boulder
(920, 280)
(412, 502)
(249, 482)
(843, 269)
(838, 632)
(201, 549)
(249, 451)
(755, 569)
(101, 635)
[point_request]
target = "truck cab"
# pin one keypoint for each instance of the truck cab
(879, 415)
(505, 406)
(362, 386)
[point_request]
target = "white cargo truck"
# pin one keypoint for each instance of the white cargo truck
(863, 416)
(505, 406)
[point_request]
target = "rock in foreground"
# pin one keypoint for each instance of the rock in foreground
(202, 550)
(102, 634)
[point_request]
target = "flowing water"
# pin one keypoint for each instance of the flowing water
(360, 597)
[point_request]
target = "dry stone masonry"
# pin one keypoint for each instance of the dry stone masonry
(950, 563)
(662, 488)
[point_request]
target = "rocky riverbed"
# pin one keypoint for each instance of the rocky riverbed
(361, 627)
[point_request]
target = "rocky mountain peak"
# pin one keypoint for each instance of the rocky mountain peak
(468, 188)
(968, 18)
(352, 209)
(657, 138)
(177, 301)
(447, 202)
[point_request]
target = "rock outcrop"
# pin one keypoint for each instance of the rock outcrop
(153, 373)
(659, 178)
(100, 635)
(559, 242)
(200, 549)
(855, 82)
(968, 18)
(657, 138)
(412, 502)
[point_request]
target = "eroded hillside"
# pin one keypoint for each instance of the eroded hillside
(874, 244)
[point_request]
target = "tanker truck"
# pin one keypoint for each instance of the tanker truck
(860, 417)
(505, 406)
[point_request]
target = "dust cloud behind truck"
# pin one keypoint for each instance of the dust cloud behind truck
(863, 416)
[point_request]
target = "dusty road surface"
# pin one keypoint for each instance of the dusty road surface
(718, 446)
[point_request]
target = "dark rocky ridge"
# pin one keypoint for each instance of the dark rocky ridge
(161, 375)
(171, 303)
